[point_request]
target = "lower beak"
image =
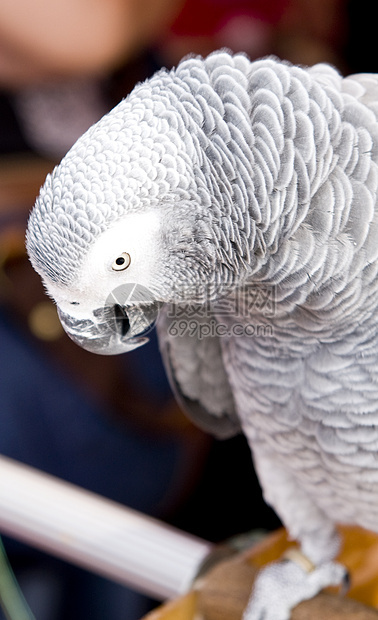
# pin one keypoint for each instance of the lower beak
(108, 334)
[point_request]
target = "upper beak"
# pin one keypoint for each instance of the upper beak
(112, 330)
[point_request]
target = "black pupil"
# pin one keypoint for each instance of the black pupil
(120, 260)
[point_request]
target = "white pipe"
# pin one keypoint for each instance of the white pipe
(96, 533)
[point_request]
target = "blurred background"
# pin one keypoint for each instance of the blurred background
(111, 424)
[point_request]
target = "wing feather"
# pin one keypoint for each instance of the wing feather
(196, 371)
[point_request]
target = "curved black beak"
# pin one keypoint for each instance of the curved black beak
(112, 330)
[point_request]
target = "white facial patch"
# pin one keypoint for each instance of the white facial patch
(138, 235)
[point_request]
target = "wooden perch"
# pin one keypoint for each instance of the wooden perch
(224, 592)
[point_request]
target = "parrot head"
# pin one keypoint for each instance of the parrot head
(139, 213)
(109, 288)
(109, 260)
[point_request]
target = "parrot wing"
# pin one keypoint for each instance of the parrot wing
(195, 369)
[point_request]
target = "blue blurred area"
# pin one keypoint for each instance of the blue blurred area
(49, 424)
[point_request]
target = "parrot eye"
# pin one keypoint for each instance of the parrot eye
(121, 262)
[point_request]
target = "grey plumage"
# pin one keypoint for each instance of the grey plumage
(265, 177)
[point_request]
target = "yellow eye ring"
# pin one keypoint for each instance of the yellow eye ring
(121, 262)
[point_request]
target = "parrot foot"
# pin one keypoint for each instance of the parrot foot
(282, 585)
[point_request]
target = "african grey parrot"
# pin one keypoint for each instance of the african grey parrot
(237, 200)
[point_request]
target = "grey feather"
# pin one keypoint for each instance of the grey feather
(197, 374)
